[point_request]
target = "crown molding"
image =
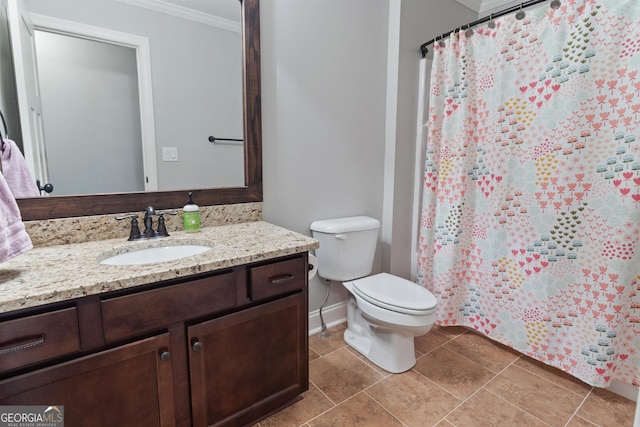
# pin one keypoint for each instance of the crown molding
(185, 13)
(482, 6)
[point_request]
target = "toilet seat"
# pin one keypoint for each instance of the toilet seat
(396, 294)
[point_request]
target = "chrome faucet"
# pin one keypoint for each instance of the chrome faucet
(148, 224)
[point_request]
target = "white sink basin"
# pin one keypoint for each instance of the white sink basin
(147, 255)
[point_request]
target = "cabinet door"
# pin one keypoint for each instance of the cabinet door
(129, 385)
(249, 363)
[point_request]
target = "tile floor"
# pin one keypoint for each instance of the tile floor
(460, 379)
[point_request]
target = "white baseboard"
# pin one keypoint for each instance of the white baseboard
(623, 389)
(333, 315)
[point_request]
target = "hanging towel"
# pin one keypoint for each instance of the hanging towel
(15, 171)
(14, 240)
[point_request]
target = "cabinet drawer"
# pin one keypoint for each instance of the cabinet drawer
(278, 278)
(37, 338)
(135, 314)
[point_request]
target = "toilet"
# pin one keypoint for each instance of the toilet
(384, 312)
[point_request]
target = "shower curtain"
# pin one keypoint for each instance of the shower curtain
(530, 223)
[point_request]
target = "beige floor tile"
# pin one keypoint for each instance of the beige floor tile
(341, 375)
(553, 374)
(313, 355)
(313, 403)
(453, 330)
(457, 374)
(484, 351)
(360, 410)
(373, 366)
(605, 408)
(487, 409)
(325, 345)
(432, 340)
(541, 398)
(413, 399)
(353, 391)
(577, 421)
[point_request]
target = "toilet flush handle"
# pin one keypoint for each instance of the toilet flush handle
(341, 236)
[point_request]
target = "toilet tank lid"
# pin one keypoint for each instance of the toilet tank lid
(345, 225)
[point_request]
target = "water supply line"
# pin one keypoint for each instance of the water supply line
(323, 326)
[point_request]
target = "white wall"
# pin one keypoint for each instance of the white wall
(323, 102)
(325, 129)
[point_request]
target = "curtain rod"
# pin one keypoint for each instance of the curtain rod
(424, 49)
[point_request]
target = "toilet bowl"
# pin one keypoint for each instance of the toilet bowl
(384, 315)
(384, 312)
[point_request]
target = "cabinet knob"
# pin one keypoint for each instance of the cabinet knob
(196, 345)
(165, 355)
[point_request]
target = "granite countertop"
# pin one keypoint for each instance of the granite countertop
(58, 273)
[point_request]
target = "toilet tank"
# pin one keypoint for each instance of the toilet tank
(347, 246)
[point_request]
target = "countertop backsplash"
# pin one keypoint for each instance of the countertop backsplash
(64, 231)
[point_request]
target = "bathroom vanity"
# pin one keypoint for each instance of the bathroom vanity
(219, 338)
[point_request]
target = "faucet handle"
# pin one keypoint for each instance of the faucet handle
(162, 229)
(135, 230)
(126, 216)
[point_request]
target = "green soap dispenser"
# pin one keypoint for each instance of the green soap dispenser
(191, 214)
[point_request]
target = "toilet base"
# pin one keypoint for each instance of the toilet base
(389, 346)
(391, 351)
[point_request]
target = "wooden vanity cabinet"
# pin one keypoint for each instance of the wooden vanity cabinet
(224, 348)
(127, 386)
(249, 363)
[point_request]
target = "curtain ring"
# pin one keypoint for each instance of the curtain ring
(492, 23)
(555, 4)
(520, 15)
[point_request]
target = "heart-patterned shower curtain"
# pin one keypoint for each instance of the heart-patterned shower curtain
(530, 226)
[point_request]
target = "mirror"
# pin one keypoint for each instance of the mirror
(132, 83)
(96, 204)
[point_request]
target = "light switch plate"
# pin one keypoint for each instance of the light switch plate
(169, 154)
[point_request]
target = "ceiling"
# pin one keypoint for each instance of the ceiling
(227, 9)
(218, 12)
(482, 6)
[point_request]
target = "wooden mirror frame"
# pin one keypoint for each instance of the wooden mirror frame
(39, 208)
